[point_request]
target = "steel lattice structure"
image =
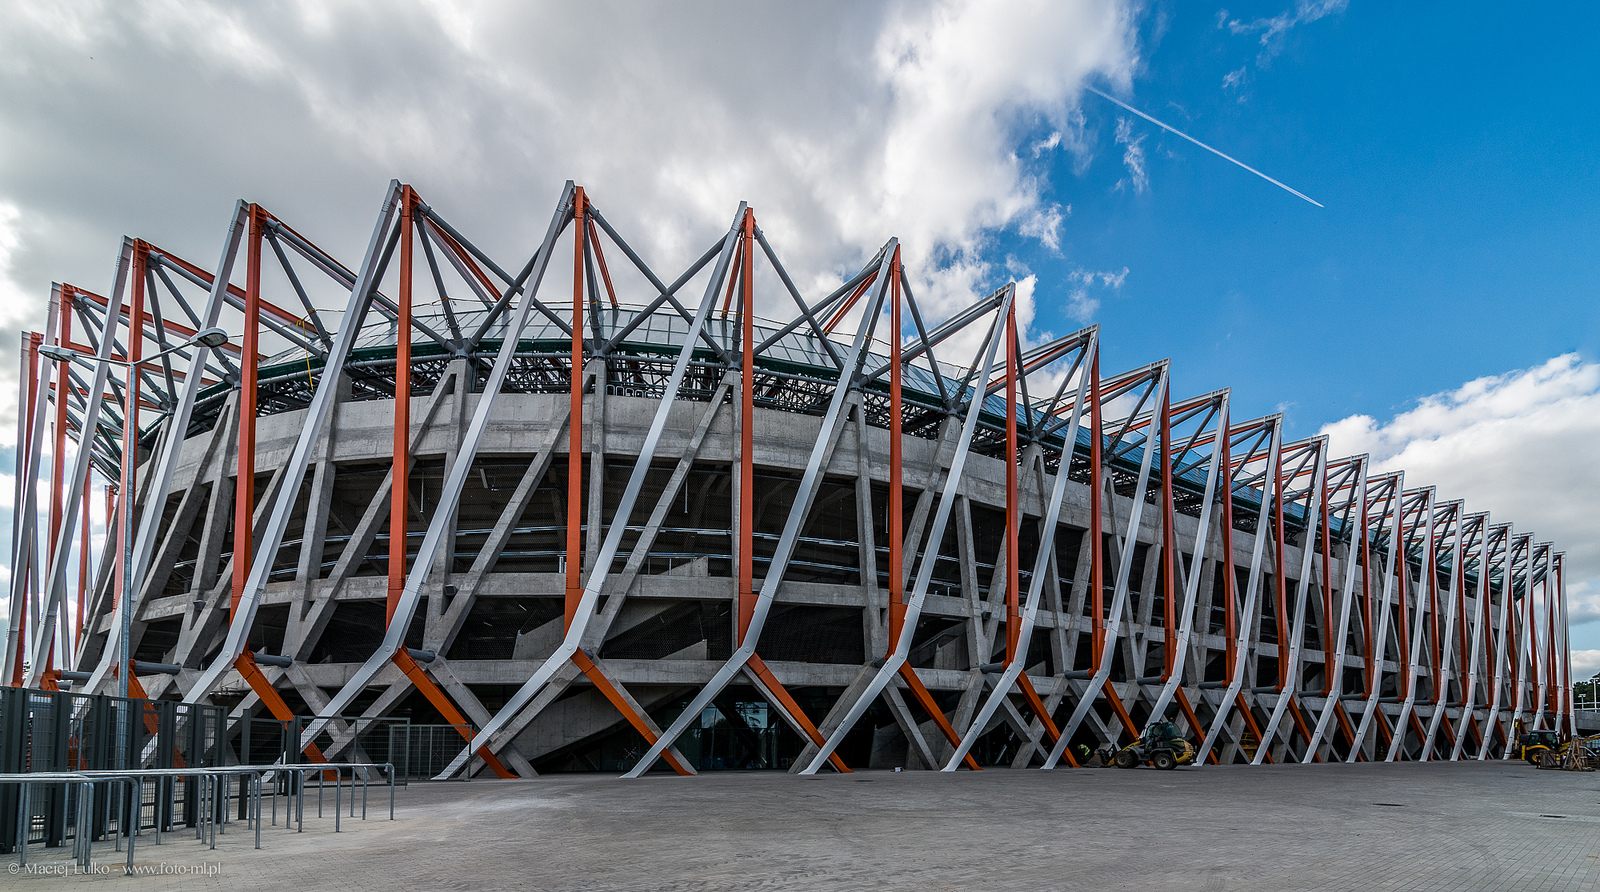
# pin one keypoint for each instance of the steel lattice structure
(654, 536)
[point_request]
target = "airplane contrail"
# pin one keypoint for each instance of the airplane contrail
(1218, 152)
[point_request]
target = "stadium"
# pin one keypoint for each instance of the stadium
(620, 522)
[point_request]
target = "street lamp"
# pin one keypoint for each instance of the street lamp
(211, 338)
(205, 337)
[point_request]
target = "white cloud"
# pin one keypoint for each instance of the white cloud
(1273, 29)
(1519, 445)
(1045, 225)
(1585, 664)
(843, 125)
(14, 307)
(1085, 288)
(1271, 32)
(1132, 157)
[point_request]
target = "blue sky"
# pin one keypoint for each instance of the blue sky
(1439, 312)
(1455, 149)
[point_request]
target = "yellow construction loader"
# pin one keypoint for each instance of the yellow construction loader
(1161, 746)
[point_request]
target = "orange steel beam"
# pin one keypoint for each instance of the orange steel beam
(130, 431)
(400, 486)
(1014, 534)
(1036, 703)
(1169, 548)
(80, 347)
(1327, 596)
(246, 664)
(1346, 727)
(1383, 729)
(747, 411)
(733, 282)
(1486, 624)
(83, 559)
(260, 218)
(1368, 669)
(1513, 651)
(844, 308)
(897, 605)
(1193, 719)
(1246, 703)
(152, 725)
(58, 469)
(1247, 709)
(1279, 577)
(896, 469)
(83, 392)
(1403, 567)
(1110, 388)
(1038, 361)
(146, 319)
(1230, 593)
(609, 690)
(245, 480)
(465, 257)
(25, 470)
(781, 694)
(399, 490)
(925, 698)
(1526, 680)
(1367, 682)
(746, 546)
(1566, 643)
(1434, 632)
(1553, 688)
(1096, 534)
(1464, 639)
(1417, 729)
(600, 260)
(446, 708)
(1230, 577)
(574, 543)
(1301, 725)
(1120, 710)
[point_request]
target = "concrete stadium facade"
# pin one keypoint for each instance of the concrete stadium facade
(726, 542)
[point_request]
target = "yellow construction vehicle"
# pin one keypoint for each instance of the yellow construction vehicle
(1161, 746)
(1541, 749)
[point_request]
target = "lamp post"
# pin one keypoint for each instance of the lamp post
(210, 338)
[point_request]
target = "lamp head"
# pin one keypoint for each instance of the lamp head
(210, 337)
(57, 352)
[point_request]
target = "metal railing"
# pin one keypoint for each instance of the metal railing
(80, 768)
(419, 752)
(210, 798)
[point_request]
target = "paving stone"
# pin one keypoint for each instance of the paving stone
(1386, 826)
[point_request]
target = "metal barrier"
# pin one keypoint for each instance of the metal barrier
(420, 752)
(210, 785)
(366, 739)
(82, 808)
(79, 768)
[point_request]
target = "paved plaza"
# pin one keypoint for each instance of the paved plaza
(1408, 826)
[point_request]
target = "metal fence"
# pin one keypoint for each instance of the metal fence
(57, 731)
(419, 752)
